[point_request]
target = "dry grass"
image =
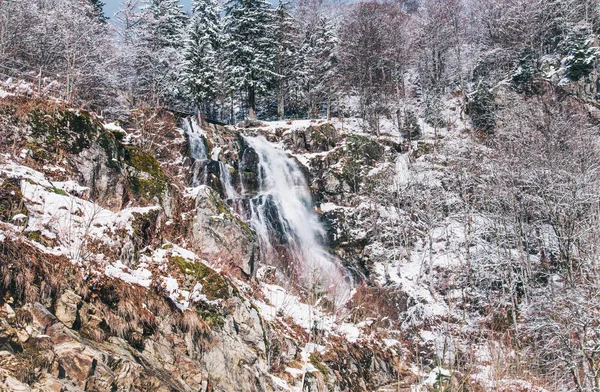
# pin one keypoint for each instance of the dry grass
(373, 301)
(128, 311)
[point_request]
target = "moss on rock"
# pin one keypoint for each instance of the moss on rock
(68, 130)
(214, 285)
(224, 209)
(149, 188)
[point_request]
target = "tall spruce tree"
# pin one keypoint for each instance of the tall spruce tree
(159, 38)
(321, 61)
(201, 55)
(99, 10)
(250, 48)
(286, 53)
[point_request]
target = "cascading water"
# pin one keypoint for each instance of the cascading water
(282, 210)
(200, 167)
(279, 209)
(197, 151)
(226, 181)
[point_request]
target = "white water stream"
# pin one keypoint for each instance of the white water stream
(281, 212)
(284, 203)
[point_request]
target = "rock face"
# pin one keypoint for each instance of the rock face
(233, 359)
(315, 138)
(158, 291)
(221, 235)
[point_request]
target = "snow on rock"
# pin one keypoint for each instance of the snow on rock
(141, 275)
(437, 375)
(114, 127)
(281, 302)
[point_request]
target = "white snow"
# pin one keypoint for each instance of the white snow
(140, 276)
(114, 127)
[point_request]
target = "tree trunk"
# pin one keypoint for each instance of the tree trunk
(201, 113)
(251, 103)
(280, 103)
(232, 119)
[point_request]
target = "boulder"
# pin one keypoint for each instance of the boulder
(75, 361)
(66, 308)
(220, 236)
(246, 323)
(14, 385)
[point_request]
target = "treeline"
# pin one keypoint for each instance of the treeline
(308, 58)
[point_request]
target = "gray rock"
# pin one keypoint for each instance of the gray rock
(66, 308)
(221, 236)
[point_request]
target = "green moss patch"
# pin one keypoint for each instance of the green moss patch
(316, 362)
(214, 285)
(71, 131)
(364, 149)
(109, 141)
(153, 187)
(211, 315)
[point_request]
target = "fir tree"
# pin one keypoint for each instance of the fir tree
(166, 22)
(286, 53)
(250, 47)
(581, 57)
(201, 59)
(410, 129)
(482, 109)
(99, 10)
(159, 38)
(322, 64)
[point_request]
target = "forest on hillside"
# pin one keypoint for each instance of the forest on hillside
(299, 59)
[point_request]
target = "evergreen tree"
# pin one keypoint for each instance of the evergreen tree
(286, 53)
(581, 57)
(167, 22)
(159, 37)
(201, 59)
(99, 10)
(410, 129)
(250, 47)
(322, 64)
(482, 109)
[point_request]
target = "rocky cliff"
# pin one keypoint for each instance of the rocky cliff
(126, 266)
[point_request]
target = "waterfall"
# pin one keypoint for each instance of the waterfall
(196, 138)
(226, 182)
(197, 151)
(200, 167)
(281, 211)
(278, 206)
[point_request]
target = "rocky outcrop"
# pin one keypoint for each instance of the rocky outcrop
(315, 138)
(221, 236)
(108, 341)
(161, 298)
(66, 308)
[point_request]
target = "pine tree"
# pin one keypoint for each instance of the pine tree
(286, 53)
(201, 58)
(99, 10)
(250, 48)
(319, 48)
(159, 36)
